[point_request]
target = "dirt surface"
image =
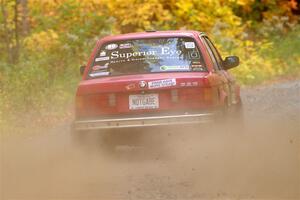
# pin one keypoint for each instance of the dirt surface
(260, 160)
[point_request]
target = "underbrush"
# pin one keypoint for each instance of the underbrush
(267, 58)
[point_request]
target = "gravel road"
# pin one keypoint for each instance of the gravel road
(259, 161)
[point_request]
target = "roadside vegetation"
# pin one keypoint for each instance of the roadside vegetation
(43, 43)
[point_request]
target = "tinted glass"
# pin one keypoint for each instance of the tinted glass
(147, 56)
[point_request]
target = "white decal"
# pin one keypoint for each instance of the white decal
(125, 46)
(102, 59)
(189, 45)
(111, 46)
(170, 52)
(196, 66)
(161, 83)
(174, 68)
(116, 54)
(102, 53)
(163, 51)
(99, 74)
(99, 67)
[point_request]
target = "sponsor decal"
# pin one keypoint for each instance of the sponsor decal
(111, 46)
(161, 83)
(102, 59)
(170, 52)
(102, 53)
(99, 67)
(194, 55)
(197, 68)
(189, 45)
(174, 68)
(116, 54)
(196, 63)
(182, 84)
(99, 74)
(130, 86)
(125, 46)
(163, 51)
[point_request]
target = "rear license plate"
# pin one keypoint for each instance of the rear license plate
(145, 101)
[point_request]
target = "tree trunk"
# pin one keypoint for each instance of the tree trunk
(25, 23)
(17, 39)
(6, 38)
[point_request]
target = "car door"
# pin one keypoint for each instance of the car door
(227, 80)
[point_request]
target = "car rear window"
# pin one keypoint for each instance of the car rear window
(142, 56)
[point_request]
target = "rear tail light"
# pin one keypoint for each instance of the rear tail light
(112, 100)
(174, 96)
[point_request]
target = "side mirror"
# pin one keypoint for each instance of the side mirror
(82, 68)
(231, 62)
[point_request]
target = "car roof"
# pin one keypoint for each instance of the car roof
(151, 34)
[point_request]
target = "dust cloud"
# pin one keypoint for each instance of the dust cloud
(259, 159)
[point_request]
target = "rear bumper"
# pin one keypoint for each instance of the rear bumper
(143, 121)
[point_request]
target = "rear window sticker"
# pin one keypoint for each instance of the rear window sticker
(120, 55)
(102, 59)
(99, 67)
(197, 68)
(174, 68)
(189, 45)
(161, 83)
(194, 55)
(126, 46)
(111, 46)
(196, 63)
(102, 53)
(99, 74)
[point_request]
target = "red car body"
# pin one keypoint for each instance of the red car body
(154, 99)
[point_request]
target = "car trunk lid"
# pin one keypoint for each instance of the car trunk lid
(146, 93)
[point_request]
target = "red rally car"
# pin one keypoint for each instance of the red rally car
(155, 78)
